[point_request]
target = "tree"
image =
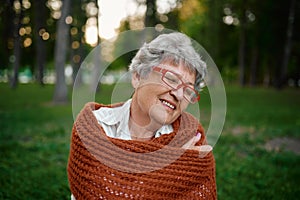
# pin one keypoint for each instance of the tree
(77, 38)
(151, 13)
(242, 44)
(17, 43)
(62, 37)
(288, 44)
(83, 12)
(6, 29)
(40, 26)
(201, 20)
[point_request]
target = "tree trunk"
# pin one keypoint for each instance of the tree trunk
(97, 70)
(242, 44)
(253, 72)
(288, 44)
(213, 28)
(77, 57)
(78, 54)
(17, 47)
(150, 18)
(62, 37)
(7, 34)
(40, 10)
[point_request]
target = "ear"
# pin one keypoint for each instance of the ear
(135, 80)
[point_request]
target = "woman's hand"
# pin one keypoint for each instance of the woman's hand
(203, 149)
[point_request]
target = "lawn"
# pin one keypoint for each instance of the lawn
(35, 138)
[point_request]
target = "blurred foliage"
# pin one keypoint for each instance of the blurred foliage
(215, 24)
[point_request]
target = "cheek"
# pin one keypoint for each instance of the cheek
(152, 90)
(146, 97)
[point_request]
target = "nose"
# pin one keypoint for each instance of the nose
(178, 93)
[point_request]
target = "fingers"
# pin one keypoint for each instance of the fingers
(203, 149)
(191, 143)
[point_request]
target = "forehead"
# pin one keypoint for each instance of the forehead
(178, 62)
(181, 69)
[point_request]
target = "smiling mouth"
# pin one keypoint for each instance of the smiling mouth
(168, 104)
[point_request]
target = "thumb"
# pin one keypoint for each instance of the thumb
(191, 143)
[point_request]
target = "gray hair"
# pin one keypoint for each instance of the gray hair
(173, 47)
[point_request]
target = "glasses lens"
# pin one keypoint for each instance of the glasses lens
(190, 94)
(171, 79)
(174, 82)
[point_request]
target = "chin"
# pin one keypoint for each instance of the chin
(164, 120)
(160, 115)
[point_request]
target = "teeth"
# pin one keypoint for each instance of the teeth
(168, 104)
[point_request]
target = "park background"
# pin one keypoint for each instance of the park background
(255, 44)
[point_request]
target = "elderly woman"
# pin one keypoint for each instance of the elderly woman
(147, 147)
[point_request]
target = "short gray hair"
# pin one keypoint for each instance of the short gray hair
(174, 47)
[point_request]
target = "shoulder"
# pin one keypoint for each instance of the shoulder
(191, 122)
(92, 106)
(188, 119)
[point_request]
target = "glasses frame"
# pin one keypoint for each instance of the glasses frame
(163, 71)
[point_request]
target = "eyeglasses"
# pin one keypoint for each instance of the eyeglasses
(172, 80)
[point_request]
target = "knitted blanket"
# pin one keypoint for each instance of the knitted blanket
(101, 167)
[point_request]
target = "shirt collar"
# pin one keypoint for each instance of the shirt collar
(115, 115)
(119, 116)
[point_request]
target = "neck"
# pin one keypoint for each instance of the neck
(141, 126)
(141, 131)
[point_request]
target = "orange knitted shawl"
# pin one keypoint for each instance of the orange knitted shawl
(101, 167)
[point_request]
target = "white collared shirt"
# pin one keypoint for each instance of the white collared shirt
(115, 122)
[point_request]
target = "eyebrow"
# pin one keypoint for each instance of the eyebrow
(186, 83)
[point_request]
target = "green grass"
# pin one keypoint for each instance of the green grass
(35, 138)
(245, 170)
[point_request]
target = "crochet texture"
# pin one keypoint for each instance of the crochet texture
(101, 167)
